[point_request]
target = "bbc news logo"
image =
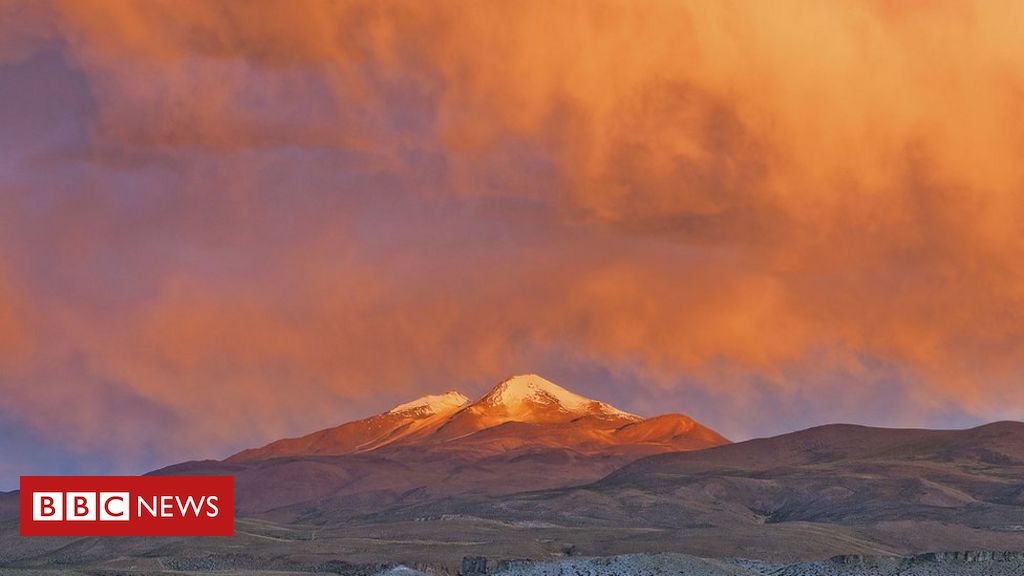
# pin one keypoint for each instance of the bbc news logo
(127, 506)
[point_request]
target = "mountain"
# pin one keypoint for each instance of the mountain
(833, 489)
(530, 469)
(526, 433)
(409, 420)
(521, 412)
(9, 502)
(864, 493)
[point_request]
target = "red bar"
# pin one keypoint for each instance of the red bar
(127, 506)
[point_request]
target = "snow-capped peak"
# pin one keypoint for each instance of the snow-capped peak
(519, 391)
(434, 403)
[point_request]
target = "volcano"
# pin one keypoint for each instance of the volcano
(522, 412)
(526, 433)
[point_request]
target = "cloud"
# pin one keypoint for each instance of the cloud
(256, 219)
(14, 322)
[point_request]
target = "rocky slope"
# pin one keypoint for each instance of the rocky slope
(405, 422)
(828, 490)
(527, 433)
(882, 499)
(522, 411)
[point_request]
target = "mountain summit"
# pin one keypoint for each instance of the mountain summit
(520, 413)
(526, 433)
(433, 404)
(524, 397)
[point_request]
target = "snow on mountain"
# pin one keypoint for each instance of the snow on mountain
(520, 395)
(521, 412)
(412, 419)
(433, 403)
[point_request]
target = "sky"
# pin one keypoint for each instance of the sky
(222, 223)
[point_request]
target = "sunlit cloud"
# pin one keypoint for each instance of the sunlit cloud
(234, 221)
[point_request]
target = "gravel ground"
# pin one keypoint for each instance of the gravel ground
(682, 565)
(633, 564)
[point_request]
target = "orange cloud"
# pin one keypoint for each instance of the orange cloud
(360, 199)
(15, 336)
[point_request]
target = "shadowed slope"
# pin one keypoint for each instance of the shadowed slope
(903, 490)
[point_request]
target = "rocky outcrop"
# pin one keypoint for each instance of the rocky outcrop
(473, 566)
(971, 556)
(513, 564)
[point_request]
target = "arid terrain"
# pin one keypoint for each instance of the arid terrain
(526, 434)
(533, 479)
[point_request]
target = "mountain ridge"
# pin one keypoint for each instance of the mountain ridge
(449, 419)
(526, 433)
(817, 491)
(814, 493)
(831, 442)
